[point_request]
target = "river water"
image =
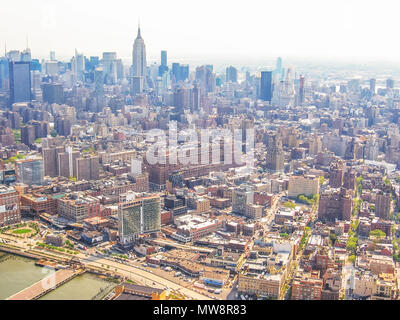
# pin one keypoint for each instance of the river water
(18, 273)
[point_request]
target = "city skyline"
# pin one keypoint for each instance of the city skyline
(351, 30)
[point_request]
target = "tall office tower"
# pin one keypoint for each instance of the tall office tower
(30, 171)
(50, 160)
(67, 162)
(372, 85)
(196, 98)
(275, 158)
(52, 56)
(36, 85)
(14, 55)
(28, 135)
(139, 62)
(231, 74)
(137, 85)
(4, 73)
(99, 81)
(266, 86)
(181, 99)
(109, 63)
(176, 72)
(120, 69)
(164, 64)
(302, 89)
(138, 216)
(284, 92)
(206, 78)
(20, 82)
(87, 168)
(53, 93)
(26, 55)
(78, 66)
(92, 64)
(279, 65)
(10, 212)
(389, 84)
(184, 72)
(51, 68)
(164, 58)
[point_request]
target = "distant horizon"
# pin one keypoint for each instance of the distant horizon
(350, 31)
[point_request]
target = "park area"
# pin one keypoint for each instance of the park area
(24, 230)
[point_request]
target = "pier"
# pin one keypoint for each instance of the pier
(46, 285)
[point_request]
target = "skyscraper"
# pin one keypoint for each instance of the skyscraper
(20, 82)
(302, 89)
(164, 58)
(53, 93)
(389, 84)
(164, 64)
(78, 65)
(139, 62)
(138, 216)
(231, 74)
(4, 73)
(372, 84)
(266, 86)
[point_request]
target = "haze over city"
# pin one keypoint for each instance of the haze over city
(218, 30)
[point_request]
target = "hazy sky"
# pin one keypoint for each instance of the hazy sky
(206, 29)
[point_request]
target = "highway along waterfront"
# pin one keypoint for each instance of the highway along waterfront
(18, 273)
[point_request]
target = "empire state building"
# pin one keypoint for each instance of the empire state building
(139, 63)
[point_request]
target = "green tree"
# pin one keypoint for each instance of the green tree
(379, 234)
(352, 259)
(352, 244)
(289, 204)
(333, 238)
(359, 181)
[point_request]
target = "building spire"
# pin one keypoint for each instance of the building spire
(139, 35)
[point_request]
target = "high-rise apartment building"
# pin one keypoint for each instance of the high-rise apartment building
(335, 204)
(382, 205)
(138, 215)
(50, 160)
(87, 168)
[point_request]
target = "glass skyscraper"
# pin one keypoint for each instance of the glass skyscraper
(20, 82)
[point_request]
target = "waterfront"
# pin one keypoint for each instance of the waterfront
(19, 273)
(84, 287)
